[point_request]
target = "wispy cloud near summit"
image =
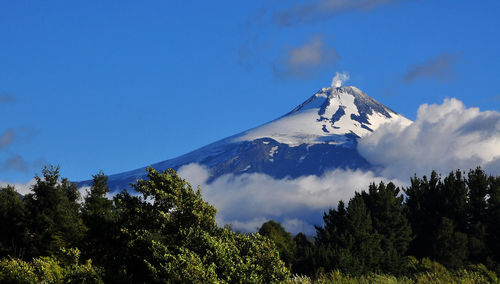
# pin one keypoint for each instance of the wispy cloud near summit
(314, 11)
(440, 68)
(305, 60)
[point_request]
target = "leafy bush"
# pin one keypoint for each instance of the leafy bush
(50, 270)
(426, 271)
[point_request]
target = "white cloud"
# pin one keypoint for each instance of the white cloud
(320, 10)
(306, 60)
(247, 200)
(443, 138)
(339, 79)
(20, 187)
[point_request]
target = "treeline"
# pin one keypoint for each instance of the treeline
(167, 234)
(454, 221)
(437, 228)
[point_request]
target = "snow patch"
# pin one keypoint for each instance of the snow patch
(273, 151)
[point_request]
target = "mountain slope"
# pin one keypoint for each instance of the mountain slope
(318, 135)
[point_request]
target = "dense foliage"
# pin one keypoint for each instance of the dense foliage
(438, 229)
(167, 234)
(453, 221)
(423, 272)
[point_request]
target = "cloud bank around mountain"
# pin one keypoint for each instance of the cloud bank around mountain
(248, 200)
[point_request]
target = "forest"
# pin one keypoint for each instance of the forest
(439, 229)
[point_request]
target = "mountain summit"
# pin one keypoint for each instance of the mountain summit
(327, 116)
(318, 135)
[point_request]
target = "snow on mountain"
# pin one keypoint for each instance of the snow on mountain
(325, 117)
(318, 135)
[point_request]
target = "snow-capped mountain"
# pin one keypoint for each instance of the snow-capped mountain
(318, 135)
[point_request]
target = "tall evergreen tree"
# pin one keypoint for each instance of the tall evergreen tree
(449, 246)
(453, 199)
(385, 205)
(351, 239)
(100, 218)
(422, 208)
(330, 237)
(493, 220)
(477, 208)
(53, 214)
(304, 263)
(13, 224)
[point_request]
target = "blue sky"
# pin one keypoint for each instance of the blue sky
(117, 85)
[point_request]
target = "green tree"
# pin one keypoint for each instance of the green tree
(169, 232)
(13, 223)
(100, 217)
(304, 263)
(283, 240)
(453, 198)
(450, 246)
(422, 207)
(478, 184)
(53, 218)
(493, 219)
(385, 205)
(349, 237)
(437, 211)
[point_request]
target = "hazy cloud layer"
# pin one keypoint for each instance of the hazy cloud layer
(10, 161)
(247, 200)
(7, 138)
(18, 135)
(443, 138)
(6, 98)
(440, 68)
(305, 60)
(20, 187)
(314, 11)
(15, 163)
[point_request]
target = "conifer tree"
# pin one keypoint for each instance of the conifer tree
(304, 255)
(13, 224)
(493, 220)
(477, 208)
(449, 246)
(350, 239)
(422, 209)
(53, 214)
(386, 209)
(100, 217)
